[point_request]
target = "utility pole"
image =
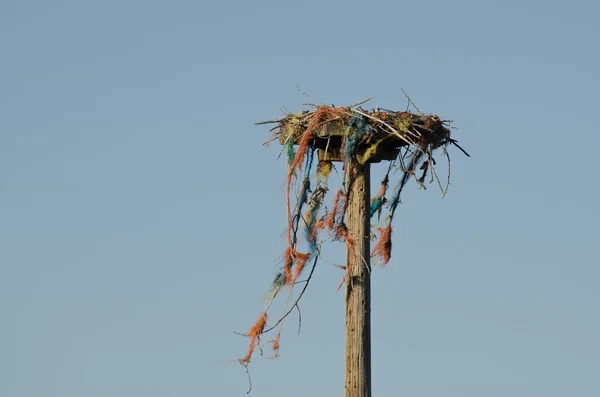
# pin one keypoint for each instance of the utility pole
(358, 287)
(358, 265)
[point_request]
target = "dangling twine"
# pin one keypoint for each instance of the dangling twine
(379, 199)
(300, 261)
(345, 269)
(305, 188)
(357, 131)
(311, 235)
(322, 115)
(290, 152)
(275, 344)
(339, 197)
(384, 186)
(293, 220)
(276, 286)
(320, 224)
(297, 261)
(371, 150)
(302, 149)
(288, 262)
(383, 248)
(254, 336)
(303, 194)
(342, 233)
(350, 144)
(311, 218)
(376, 205)
(323, 171)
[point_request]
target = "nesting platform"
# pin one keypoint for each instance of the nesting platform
(370, 135)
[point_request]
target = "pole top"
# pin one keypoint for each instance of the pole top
(343, 132)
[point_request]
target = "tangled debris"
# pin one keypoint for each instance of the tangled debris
(353, 136)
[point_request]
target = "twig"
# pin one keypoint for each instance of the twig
(437, 179)
(455, 143)
(297, 299)
(298, 88)
(327, 148)
(448, 157)
(392, 129)
(284, 145)
(411, 102)
(270, 140)
(245, 365)
(268, 122)
(361, 102)
(299, 317)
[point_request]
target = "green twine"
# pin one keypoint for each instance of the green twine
(291, 154)
(376, 205)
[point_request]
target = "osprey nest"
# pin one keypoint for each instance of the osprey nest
(353, 136)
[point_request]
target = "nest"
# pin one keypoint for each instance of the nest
(379, 133)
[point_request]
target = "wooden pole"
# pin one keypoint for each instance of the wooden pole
(358, 288)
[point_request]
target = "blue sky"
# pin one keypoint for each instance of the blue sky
(142, 219)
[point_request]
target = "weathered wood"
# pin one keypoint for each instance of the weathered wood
(331, 135)
(358, 289)
(381, 153)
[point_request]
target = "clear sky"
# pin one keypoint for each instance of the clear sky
(141, 218)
